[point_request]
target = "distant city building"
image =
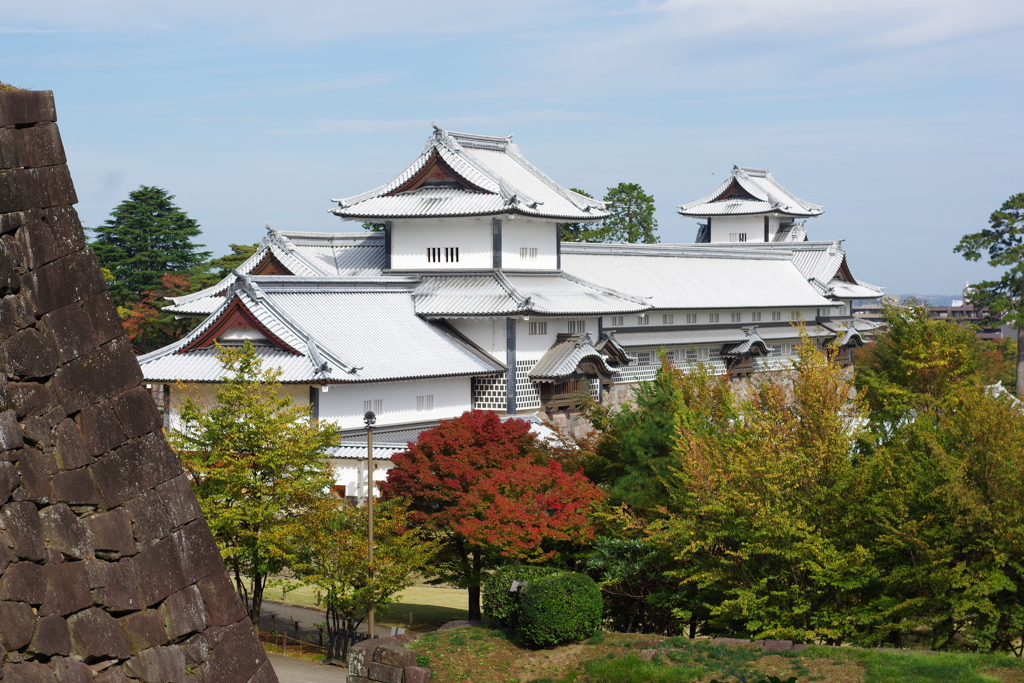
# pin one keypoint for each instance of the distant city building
(468, 299)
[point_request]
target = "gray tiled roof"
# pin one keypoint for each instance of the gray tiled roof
(326, 320)
(565, 356)
(507, 183)
(768, 197)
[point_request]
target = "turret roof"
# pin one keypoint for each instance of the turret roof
(462, 174)
(750, 191)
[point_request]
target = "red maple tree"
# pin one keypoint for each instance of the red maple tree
(491, 491)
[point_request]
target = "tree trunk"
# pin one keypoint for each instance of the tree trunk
(259, 582)
(1020, 361)
(474, 588)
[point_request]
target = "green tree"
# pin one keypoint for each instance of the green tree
(581, 232)
(1003, 242)
(632, 216)
(332, 550)
(255, 461)
(146, 236)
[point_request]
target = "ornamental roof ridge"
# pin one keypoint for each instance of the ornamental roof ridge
(524, 303)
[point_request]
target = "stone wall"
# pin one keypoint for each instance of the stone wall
(108, 572)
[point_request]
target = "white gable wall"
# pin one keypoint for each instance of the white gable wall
(722, 226)
(344, 405)
(410, 240)
(524, 233)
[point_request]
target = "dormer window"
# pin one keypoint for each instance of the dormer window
(436, 254)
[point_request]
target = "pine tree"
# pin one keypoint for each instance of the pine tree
(146, 236)
(632, 215)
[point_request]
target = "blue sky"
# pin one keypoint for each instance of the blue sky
(902, 117)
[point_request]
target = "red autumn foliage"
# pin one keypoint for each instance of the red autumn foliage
(494, 491)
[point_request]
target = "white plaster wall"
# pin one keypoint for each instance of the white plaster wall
(352, 474)
(343, 403)
(487, 333)
(721, 226)
(533, 346)
(411, 238)
(519, 232)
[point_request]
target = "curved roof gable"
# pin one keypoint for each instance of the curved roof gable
(464, 174)
(750, 191)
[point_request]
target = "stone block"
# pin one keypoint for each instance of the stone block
(29, 188)
(42, 145)
(63, 282)
(67, 588)
(196, 649)
(18, 107)
(11, 437)
(95, 634)
(144, 629)
(112, 532)
(360, 657)
(150, 521)
(358, 679)
(183, 613)
(29, 355)
(179, 500)
(777, 645)
(394, 655)
(36, 468)
(223, 606)
(121, 591)
(158, 665)
(75, 488)
(21, 522)
(800, 647)
(65, 227)
(10, 279)
(52, 637)
(112, 675)
(9, 222)
(94, 377)
(9, 481)
(23, 582)
(384, 673)
(235, 658)
(71, 331)
(135, 467)
(15, 314)
(100, 429)
(103, 317)
(159, 571)
(65, 532)
(67, 670)
(137, 412)
(27, 672)
(29, 399)
(17, 624)
(199, 554)
(417, 674)
(71, 451)
(12, 149)
(38, 430)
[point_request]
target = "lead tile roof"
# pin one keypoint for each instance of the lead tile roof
(507, 183)
(343, 322)
(768, 197)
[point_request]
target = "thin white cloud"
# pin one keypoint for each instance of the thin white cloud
(329, 126)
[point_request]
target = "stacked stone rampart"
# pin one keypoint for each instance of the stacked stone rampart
(108, 572)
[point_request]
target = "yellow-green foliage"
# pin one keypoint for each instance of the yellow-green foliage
(255, 461)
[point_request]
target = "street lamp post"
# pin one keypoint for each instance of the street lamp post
(369, 419)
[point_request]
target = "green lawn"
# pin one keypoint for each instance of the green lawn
(430, 606)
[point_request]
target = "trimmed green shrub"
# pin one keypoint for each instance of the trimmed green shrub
(560, 608)
(498, 603)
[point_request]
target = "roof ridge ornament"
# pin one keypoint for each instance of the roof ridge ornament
(524, 303)
(244, 283)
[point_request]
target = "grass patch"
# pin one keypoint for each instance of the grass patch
(492, 656)
(4, 87)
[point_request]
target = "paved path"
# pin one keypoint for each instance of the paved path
(292, 670)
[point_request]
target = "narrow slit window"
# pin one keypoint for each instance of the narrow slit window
(528, 253)
(577, 327)
(644, 319)
(735, 317)
(424, 403)
(712, 317)
(756, 316)
(376, 405)
(667, 318)
(776, 315)
(538, 328)
(691, 318)
(618, 320)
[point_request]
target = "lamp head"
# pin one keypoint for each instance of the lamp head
(369, 418)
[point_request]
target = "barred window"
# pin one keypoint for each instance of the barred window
(667, 318)
(577, 326)
(712, 317)
(424, 403)
(538, 327)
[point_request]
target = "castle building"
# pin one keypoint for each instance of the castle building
(466, 298)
